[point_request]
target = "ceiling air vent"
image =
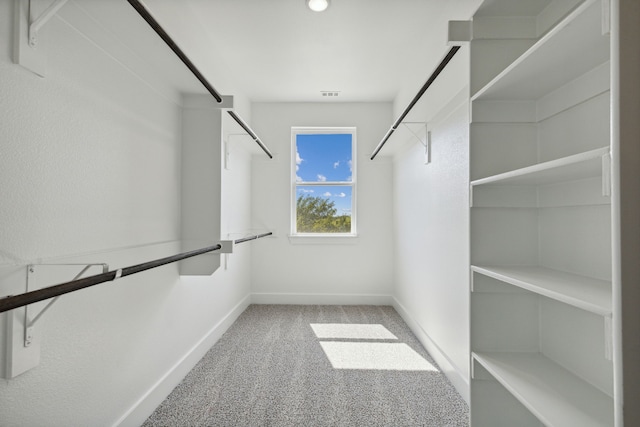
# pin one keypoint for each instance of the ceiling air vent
(332, 93)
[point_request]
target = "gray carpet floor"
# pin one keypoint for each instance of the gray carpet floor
(287, 365)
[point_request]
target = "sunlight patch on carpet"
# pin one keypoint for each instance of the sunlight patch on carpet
(375, 356)
(352, 331)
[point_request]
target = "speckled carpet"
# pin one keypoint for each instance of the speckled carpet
(287, 365)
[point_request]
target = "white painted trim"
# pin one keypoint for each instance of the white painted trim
(457, 378)
(320, 299)
(324, 239)
(158, 392)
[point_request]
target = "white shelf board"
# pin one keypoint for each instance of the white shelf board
(571, 48)
(586, 293)
(570, 168)
(554, 395)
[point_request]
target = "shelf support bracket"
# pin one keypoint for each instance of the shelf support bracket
(36, 24)
(422, 139)
(423, 136)
(20, 340)
(28, 21)
(606, 175)
(606, 17)
(608, 338)
(29, 324)
(227, 148)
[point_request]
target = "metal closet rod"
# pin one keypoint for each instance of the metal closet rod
(144, 13)
(11, 302)
(251, 133)
(416, 98)
(257, 236)
(16, 301)
(142, 10)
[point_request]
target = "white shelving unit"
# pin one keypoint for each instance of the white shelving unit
(588, 294)
(553, 394)
(570, 168)
(568, 49)
(541, 220)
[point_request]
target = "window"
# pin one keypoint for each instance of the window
(324, 186)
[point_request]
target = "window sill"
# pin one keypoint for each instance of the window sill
(323, 239)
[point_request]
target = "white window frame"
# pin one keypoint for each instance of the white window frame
(294, 184)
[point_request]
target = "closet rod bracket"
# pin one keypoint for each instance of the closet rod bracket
(31, 270)
(422, 138)
(21, 340)
(35, 25)
(227, 246)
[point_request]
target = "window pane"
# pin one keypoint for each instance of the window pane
(323, 157)
(323, 209)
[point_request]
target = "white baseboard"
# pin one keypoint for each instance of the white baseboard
(320, 299)
(145, 406)
(459, 380)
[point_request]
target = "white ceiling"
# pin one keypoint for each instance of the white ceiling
(280, 51)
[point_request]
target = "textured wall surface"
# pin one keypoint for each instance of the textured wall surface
(431, 204)
(90, 172)
(361, 266)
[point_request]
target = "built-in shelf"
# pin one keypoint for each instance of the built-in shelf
(557, 397)
(571, 48)
(578, 166)
(586, 293)
(540, 195)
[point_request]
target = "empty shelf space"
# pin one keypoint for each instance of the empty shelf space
(578, 166)
(586, 293)
(568, 50)
(553, 394)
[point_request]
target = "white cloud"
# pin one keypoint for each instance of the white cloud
(322, 178)
(327, 194)
(298, 161)
(298, 178)
(304, 190)
(336, 164)
(340, 195)
(350, 163)
(349, 178)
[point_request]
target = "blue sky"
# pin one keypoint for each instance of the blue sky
(325, 158)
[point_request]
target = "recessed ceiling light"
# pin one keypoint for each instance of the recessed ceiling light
(318, 5)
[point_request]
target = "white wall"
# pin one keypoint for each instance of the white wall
(431, 226)
(356, 271)
(90, 172)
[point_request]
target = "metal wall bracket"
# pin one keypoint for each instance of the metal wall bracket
(29, 324)
(27, 24)
(419, 130)
(427, 149)
(228, 147)
(19, 338)
(35, 24)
